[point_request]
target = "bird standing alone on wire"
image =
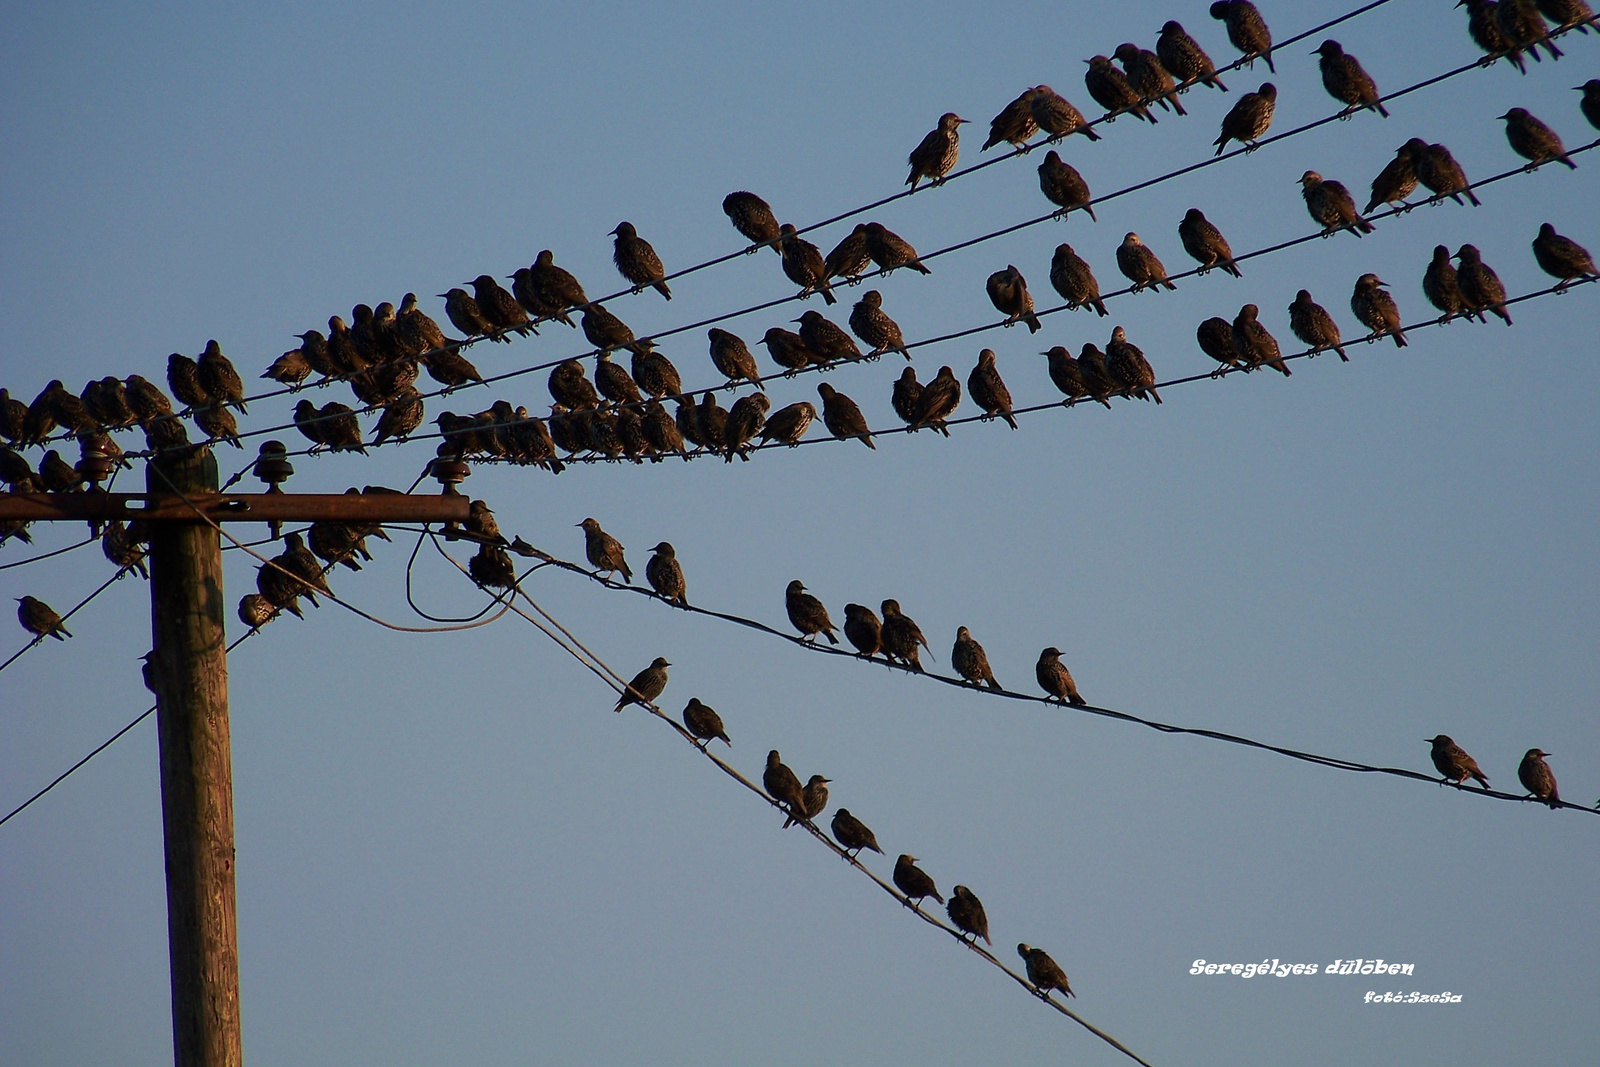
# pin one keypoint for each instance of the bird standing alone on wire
(646, 685)
(969, 659)
(914, 882)
(1537, 778)
(988, 390)
(665, 575)
(1533, 140)
(1562, 257)
(637, 261)
(1246, 29)
(704, 723)
(966, 913)
(807, 613)
(1377, 310)
(1311, 323)
(1184, 58)
(1055, 679)
(40, 619)
(752, 217)
(1205, 243)
(853, 834)
(1248, 119)
(936, 155)
(604, 552)
(1008, 292)
(1452, 761)
(1347, 81)
(1044, 972)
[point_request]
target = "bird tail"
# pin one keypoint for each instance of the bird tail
(1381, 109)
(827, 293)
(1481, 780)
(993, 683)
(1498, 309)
(1399, 339)
(1088, 131)
(1010, 419)
(1219, 142)
(1267, 55)
(832, 640)
(1032, 320)
(1076, 701)
(661, 287)
(1155, 395)
(1216, 83)
(1342, 357)
(1281, 367)
(1232, 268)
(1176, 106)
(1563, 157)
(916, 264)
(58, 631)
(627, 575)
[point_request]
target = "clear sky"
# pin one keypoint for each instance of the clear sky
(449, 849)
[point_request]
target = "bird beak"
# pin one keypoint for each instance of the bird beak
(442, 296)
(794, 320)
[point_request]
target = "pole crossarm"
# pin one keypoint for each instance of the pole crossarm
(234, 507)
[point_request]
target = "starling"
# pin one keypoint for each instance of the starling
(1183, 56)
(786, 349)
(113, 412)
(1097, 378)
(465, 315)
(813, 800)
(605, 331)
(655, 374)
(218, 377)
(314, 347)
(604, 551)
(183, 377)
(1484, 29)
(1440, 285)
(57, 475)
(1148, 77)
(1056, 116)
(637, 261)
(415, 331)
(899, 637)
(166, 435)
(876, 328)
(1140, 265)
(1534, 774)
(1215, 337)
(614, 382)
(782, 784)
(1590, 104)
(15, 470)
(789, 424)
(807, 613)
(1438, 170)
(849, 258)
(538, 447)
(906, 396)
(555, 287)
(1063, 186)
(937, 153)
(299, 561)
(40, 418)
(1347, 81)
(1055, 679)
(305, 420)
(40, 620)
(147, 401)
(1248, 119)
(969, 659)
(1452, 761)
(1331, 204)
(862, 629)
(361, 337)
(219, 425)
(337, 543)
(526, 292)
(1562, 257)
(843, 417)
(646, 685)
(1376, 309)
(1127, 366)
(280, 588)
(937, 400)
(255, 611)
(1205, 243)
(1068, 376)
(1110, 89)
(1246, 29)
(966, 912)
(1072, 277)
(914, 882)
(665, 575)
(803, 264)
(710, 420)
(342, 350)
(570, 387)
(746, 418)
(825, 340)
(1523, 26)
(630, 430)
(491, 568)
(1533, 140)
(291, 369)
(1481, 288)
(1311, 323)
(1255, 344)
(1015, 124)
(499, 306)
(17, 528)
(1397, 180)
(1008, 292)
(1567, 14)
(704, 723)
(890, 251)
(604, 433)
(1045, 973)
(732, 357)
(853, 834)
(989, 391)
(564, 431)
(450, 368)
(482, 524)
(13, 417)
(753, 217)
(386, 342)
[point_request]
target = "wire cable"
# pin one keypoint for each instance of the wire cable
(75, 609)
(47, 555)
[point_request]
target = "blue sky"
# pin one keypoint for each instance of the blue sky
(449, 848)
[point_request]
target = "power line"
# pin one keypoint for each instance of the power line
(47, 555)
(75, 609)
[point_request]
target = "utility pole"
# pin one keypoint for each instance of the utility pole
(187, 607)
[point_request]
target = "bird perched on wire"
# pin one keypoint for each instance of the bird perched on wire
(415, 330)
(255, 611)
(787, 350)
(746, 418)
(900, 636)
(499, 306)
(905, 397)
(813, 800)
(988, 389)
(57, 475)
(711, 421)
(665, 575)
(1438, 170)
(804, 264)
(1044, 972)
(1097, 377)
(873, 325)
(183, 378)
(1248, 119)
(969, 659)
(491, 568)
(1347, 81)
(1452, 761)
(936, 400)
(450, 368)
(1110, 89)
(614, 382)
(1441, 286)
(655, 374)
(1484, 29)
(637, 261)
(752, 217)
(279, 588)
(1481, 288)
(807, 613)
(789, 424)
(966, 912)
(849, 258)
(465, 315)
(826, 340)
(570, 386)
(890, 251)
(555, 287)
(291, 369)
(646, 685)
(604, 552)
(299, 560)
(1126, 364)
(1533, 140)
(1537, 778)
(1182, 55)
(605, 331)
(1067, 376)
(218, 424)
(1140, 265)
(704, 723)
(15, 471)
(1376, 309)
(1008, 292)
(1063, 186)
(218, 377)
(1398, 178)
(1215, 338)
(914, 882)
(842, 416)
(1311, 323)
(1148, 77)
(1562, 257)
(1331, 205)
(1590, 104)
(1567, 14)
(1055, 679)
(13, 417)
(1056, 115)
(782, 784)
(1525, 28)
(1246, 29)
(1015, 124)
(1203, 241)
(40, 619)
(1254, 342)
(1073, 278)
(936, 154)
(314, 347)
(731, 356)
(862, 629)
(853, 834)
(121, 548)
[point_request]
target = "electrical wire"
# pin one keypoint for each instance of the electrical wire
(47, 555)
(75, 609)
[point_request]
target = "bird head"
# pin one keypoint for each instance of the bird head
(664, 548)
(1310, 178)
(1329, 48)
(625, 229)
(1050, 653)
